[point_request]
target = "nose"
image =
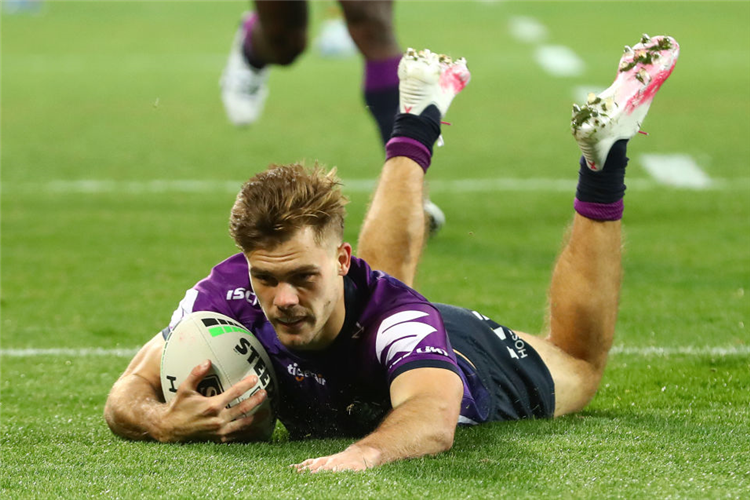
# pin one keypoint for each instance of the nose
(286, 296)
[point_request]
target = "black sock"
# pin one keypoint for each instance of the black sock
(424, 128)
(608, 184)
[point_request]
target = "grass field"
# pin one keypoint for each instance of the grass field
(105, 105)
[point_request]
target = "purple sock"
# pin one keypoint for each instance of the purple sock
(410, 148)
(381, 93)
(249, 25)
(414, 135)
(599, 211)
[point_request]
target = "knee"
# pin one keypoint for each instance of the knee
(286, 47)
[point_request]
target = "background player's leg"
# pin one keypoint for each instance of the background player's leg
(280, 33)
(393, 232)
(276, 33)
(370, 25)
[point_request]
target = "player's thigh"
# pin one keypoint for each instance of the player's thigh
(282, 17)
(575, 380)
(362, 11)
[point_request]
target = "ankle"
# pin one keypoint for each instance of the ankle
(599, 193)
(424, 128)
(249, 25)
(413, 136)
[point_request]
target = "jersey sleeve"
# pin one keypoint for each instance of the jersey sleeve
(413, 337)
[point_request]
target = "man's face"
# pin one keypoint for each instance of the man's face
(300, 288)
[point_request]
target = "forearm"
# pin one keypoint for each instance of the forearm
(426, 404)
(406, 433)
(134, 409)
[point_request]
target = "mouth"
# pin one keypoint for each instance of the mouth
(291, 322)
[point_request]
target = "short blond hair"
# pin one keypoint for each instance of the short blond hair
(277, 202)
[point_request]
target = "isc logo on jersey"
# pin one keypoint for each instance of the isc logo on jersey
(242, 293)
(234, 352)
(399, 335)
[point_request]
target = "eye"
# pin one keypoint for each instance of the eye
(265, 279)
(303, 278)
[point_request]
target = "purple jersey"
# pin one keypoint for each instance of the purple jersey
(343, 391)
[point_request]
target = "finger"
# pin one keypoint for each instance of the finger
(318, 464)
(301, 467)
(234, 429)
(237, 390)
(247, 407)
(195, 376)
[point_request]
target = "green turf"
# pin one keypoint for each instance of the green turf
(127, 92)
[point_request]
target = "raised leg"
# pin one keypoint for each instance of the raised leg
(393, 233)
(585, 288)
(583, 302)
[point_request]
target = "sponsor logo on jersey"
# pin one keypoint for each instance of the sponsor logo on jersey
(431, 350)
(400, 333)
(242, 294)
(300, 374)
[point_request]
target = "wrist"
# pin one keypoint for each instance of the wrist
(371, 455)
(157, 423)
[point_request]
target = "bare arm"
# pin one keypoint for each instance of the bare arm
(426, 404)
(135, 408)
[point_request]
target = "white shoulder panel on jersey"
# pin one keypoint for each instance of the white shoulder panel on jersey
(399, 333)
(184, 308)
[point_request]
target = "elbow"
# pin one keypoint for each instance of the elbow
(442, 436)
(111, 417)
(109, 414)
(444, 441)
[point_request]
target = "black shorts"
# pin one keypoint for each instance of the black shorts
(516, 378)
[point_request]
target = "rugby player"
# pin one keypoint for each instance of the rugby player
(359, 353)
(275, 33)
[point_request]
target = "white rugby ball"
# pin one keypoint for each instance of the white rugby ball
(233, 350)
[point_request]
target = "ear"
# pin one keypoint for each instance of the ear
(344, 258)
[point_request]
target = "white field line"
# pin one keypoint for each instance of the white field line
(654, 351)
(71, 352)
(560, 61)
(677, 170)
(527, 29)
(490, 185)
(649, 351)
